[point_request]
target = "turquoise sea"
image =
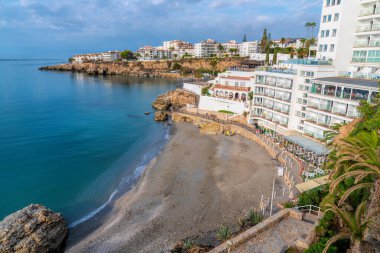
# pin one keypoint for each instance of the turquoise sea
(73, 142)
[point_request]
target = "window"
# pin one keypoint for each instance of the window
(324, 19)
(338, 1)
(359, 56)
(324, 48)
(334, 33)
(329, 18)
(333, 2)
(332, 47)
(323, 33)
(373, 56)
(328, 2)
(336, 17)
(327, 33)
(320, 48)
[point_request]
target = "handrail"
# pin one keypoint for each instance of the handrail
(309, 208)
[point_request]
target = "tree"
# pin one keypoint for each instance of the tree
(275, 57)
(312, 26)
(233, 51)
(71, 60)
(220, 49)
(308, 25)
(128, 55)
(213, 64)
(245, 38)
(175, 56)
(282, 41)
(355, 226)
(264, 41)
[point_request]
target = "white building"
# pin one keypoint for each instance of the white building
(248, 48)
(262, 57)
(366, 50)
(207, 48)
(231, 47)
(310, 96)
(106, 56)
(149, 53)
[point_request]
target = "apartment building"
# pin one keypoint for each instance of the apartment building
(366, 49)
(149, 53)
(207, 48)
(179, 48)
(248, 48)
(106, 56)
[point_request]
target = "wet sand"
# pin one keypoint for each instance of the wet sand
(198, 183)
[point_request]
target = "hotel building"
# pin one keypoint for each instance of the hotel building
(310, 96)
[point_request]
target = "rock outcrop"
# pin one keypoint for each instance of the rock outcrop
(160, 116)
(159, 68)
(33, 229)
(177, 98)
(211, 128)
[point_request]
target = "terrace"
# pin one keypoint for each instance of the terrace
(308, 62)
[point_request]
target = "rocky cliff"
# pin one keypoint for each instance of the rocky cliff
(162, 68)
(176, 98)
(33, 229)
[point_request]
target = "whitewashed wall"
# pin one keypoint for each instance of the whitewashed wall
(217, 104)
(197, 89)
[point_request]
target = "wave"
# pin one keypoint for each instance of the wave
(127, 181)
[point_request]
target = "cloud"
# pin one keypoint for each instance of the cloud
(94, 23)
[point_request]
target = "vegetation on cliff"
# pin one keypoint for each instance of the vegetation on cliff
(352, 217)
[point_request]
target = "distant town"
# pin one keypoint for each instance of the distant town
(266, 49)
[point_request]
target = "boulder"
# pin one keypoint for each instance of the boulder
(33, 229)
(160, 116)
(176, 98)
(211, 128)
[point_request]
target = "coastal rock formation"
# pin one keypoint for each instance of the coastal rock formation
(33, 229)
(211, 128)
(160, 116)
(177, 98)
(159, 68)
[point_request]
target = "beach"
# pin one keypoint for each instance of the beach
(198, 183)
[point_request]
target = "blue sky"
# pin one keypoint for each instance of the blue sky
(60, 28)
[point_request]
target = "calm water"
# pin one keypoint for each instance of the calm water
(72, 141)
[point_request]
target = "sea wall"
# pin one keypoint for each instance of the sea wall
(159, 68)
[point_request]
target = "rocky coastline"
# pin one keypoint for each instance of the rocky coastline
(178, 69)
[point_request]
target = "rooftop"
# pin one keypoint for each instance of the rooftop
(350, 81)
(309, 144)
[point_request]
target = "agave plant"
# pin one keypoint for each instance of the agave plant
(355, 226)
(254, 217)
(188, 244)
(223, 233)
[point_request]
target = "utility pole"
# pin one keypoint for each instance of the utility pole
(271, 203)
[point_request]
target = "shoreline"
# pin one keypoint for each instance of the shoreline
(186, 181)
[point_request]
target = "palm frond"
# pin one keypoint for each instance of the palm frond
(335, 238)
(352, 189)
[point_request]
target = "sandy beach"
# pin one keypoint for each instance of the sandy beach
(198, 183)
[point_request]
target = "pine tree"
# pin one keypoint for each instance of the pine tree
(245, 38)
(264, 41)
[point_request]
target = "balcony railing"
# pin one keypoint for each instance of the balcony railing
(374, 43)
(368, 28)
(342, 112)
(227, 87)
(369, 12)
(325, 108)
(309, 62)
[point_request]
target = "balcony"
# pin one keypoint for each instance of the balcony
(339, 111)
(235, 88)
(369, 12)
(278, 70)
(313, 105)
(374, 43)
(309, 62)
(368, 28)
(325, 108)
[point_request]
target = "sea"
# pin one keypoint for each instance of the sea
(71, 141)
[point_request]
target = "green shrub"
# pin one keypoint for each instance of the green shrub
(254, 217)
(176, 66)
(289, 205)
(319, 247)
(223, 233)
(325, 225)
(188, 244)
(312, 197)
(205, 91)
(226, 112)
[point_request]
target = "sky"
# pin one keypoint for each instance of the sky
(60, 28)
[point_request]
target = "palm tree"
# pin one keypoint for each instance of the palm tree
(282, 41)
(214, 64)
(312, 26)
(359, 157)
(354, 229)
(308, 26)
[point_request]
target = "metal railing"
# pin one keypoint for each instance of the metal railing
(309, 209)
